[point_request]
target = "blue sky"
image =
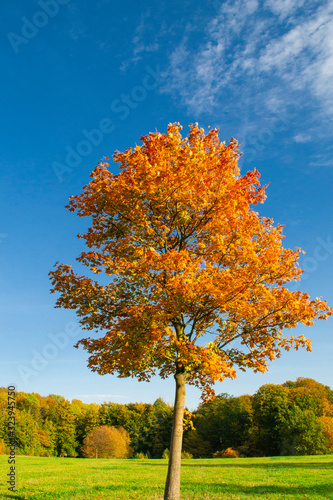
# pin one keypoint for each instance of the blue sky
(82, 79)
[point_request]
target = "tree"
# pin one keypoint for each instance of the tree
(161, 430)
(195, 444)
(270, 404)
(26, 435)
(114, 414)
(302, 432)
(2, 447)
(29, 403)
(140, 418)
(225, 422)
(107, 442)
(60, 412)
(327, 424)
(183, 254)
(290, 419)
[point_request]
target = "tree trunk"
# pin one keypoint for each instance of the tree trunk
(172, 487)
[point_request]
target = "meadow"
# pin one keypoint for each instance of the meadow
(274, 478)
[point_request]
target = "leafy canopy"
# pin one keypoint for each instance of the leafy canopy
(196, 279)
(107, 442)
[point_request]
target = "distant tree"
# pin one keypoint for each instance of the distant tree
(114, 415)
(47, 439)
(79, 411)
(138, 424)
(149, 426)
(107, 442)
(184, 254)
(195, 444)
(225, 422)
(327, 424)
(87, 418)
(26, 435)
(302, 432)
(3, 419)
(270, 404)
(292, 419)
(57, 398)
(2, 447)
(161, 428)
(59, 411)
(3, 412)
(319, 394)
(29, 403)
(309, 409)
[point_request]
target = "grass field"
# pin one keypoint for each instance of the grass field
(275, 478)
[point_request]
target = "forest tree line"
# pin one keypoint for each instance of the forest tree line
(295, 418)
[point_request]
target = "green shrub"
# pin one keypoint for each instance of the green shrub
(141, 456)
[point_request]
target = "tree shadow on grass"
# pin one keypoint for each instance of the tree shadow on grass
(270, 465)
(15, 497)
(92, 491)
(261, 491)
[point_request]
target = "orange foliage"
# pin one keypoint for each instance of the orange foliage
(185, 254)
(188, 421)
(327, 423)
(44, 438)
(228, 453)
(2, 447)
(107, 442)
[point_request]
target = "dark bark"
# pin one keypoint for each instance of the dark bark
(172, 487)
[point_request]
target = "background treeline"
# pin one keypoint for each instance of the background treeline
(295, 418)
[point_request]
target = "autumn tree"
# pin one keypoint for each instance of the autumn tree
(195, 281)
(327, 426)
(107, 442)
(3, 418)
(26, 435)
(60, 412)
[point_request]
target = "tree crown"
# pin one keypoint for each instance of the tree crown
(197, 280)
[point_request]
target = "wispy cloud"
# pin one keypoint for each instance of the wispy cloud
(302, 137)
(322, 160)
(277, 53)
(140, 47)
(304, 56)
(284, 8)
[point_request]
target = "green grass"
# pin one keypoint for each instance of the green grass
(275, 478)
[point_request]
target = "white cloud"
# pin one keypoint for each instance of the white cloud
(139, 46)
(322, 160)
(304, 58)
(251, 55)
(302, 137)
(284, 8)
(199, 77)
